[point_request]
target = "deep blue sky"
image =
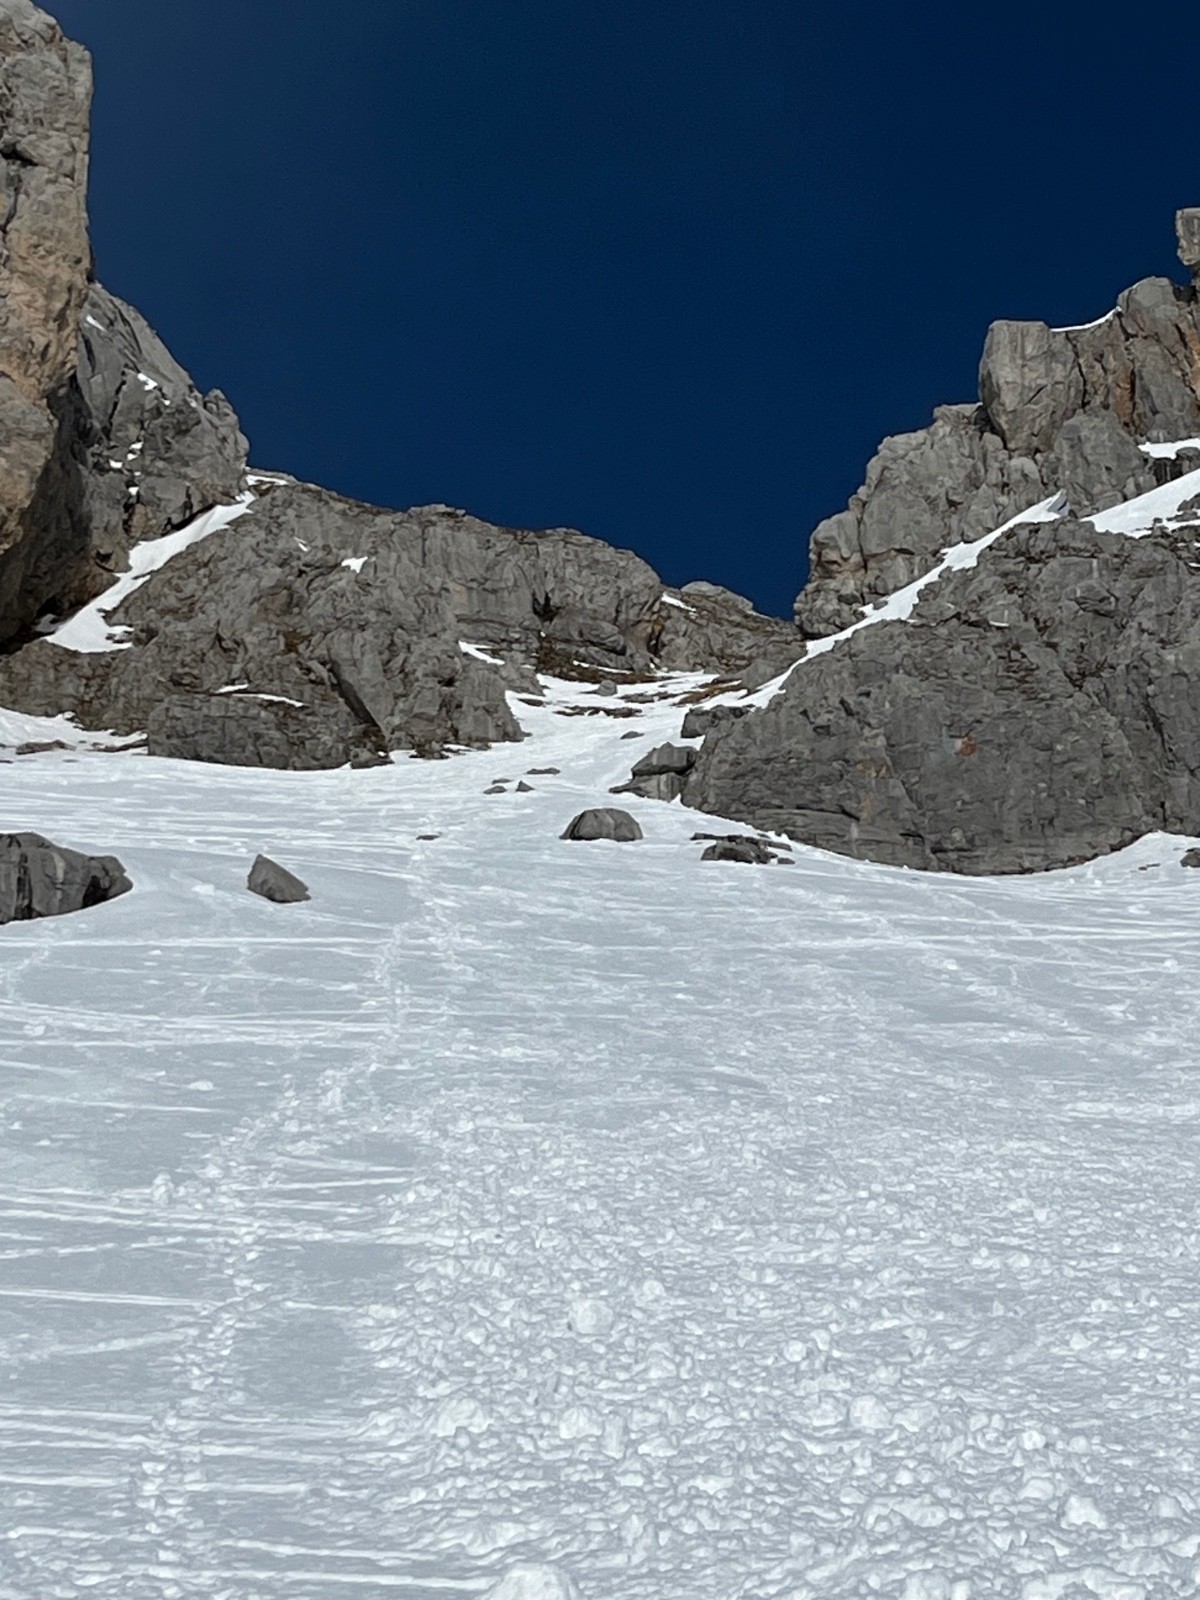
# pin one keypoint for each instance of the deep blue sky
(664, 270)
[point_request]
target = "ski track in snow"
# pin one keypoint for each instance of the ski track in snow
(582, 1214)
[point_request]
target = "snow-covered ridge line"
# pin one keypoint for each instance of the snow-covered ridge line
(88, 631)
(1084, 327)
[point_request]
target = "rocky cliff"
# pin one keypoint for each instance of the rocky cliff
(1059, 409)
(314, 632)
(103, 438)
(993, 667)
(1014, 699)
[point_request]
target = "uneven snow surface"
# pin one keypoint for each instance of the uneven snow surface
(555, 1221)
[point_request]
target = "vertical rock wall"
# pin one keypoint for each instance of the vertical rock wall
(45, 106)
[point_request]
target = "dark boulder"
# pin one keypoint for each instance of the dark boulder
(739, 847)
(40, 879)
(660, 773)
(603, 822)
(273, 882)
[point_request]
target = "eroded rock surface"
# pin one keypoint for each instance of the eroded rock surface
(104, 439)
(1037, 710)
(317, 631)
(45, 104)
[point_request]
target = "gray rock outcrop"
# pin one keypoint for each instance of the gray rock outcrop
(316, 631)
(1061, 409)
(1037, 710)
(40, 879)
(157, 453)
(603, 822)
(738, 847)
(275, 883)
(659, 775)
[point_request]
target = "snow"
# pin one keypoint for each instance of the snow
(478, 653)
(18, 727)
(1136, 518)
(1084, 327)
(1169, 451)
(148, 383)
(244, 692)
(89, 631)
(555, 1221)
(356, 563)
(680, 605)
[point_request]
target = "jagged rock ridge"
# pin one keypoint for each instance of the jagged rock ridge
(318, 630)
(1059, 409)
(1035, 709)
(1039, 704)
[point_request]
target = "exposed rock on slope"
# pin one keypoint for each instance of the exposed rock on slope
(1032, 698)
(157, 453)
(1038, 708)
(40, 879)
(1060, 409)
(320, 631)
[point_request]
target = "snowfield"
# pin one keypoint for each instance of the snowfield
(550, 1221)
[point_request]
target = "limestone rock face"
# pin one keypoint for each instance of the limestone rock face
(45, 104)
(103, 438)
(40, 879)
(317, 631)
(322, 632)
(1038, 709)
(157, 452)
(1060, 409)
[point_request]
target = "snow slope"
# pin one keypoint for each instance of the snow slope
(540, 1220)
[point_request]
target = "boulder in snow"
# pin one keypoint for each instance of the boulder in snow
(40, 879)
(603, 822)
(273, 882)
(660, 773)
(739, 847)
